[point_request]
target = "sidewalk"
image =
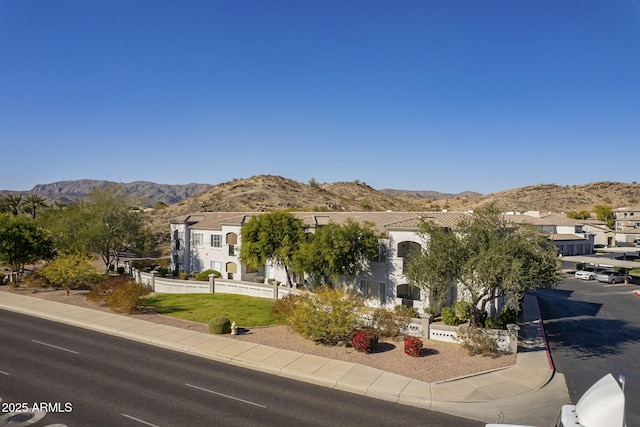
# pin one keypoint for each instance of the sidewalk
(526, 393)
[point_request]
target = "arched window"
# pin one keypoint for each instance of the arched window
(404, 249)
(231, 268)
(232, 241)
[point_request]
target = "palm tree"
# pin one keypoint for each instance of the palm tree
(33, 202)
(12, 203)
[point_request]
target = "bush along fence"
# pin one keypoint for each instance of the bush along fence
(506, 340)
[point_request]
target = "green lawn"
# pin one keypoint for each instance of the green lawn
(244, 310)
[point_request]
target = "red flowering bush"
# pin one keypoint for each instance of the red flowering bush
(413, 346)
(365, 341)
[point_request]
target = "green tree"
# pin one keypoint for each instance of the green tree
(12, 204)
(605, 213)
(104, 224)
(274, 237)
(65, 224)
(70, 272)
(32, 203)
(23, 242)
(336, 251)
(579, 215)
(486, 257)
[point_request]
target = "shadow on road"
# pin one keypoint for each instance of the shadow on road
(575, 326)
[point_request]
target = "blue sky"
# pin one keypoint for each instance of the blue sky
(448, 95)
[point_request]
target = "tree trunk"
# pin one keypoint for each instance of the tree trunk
(286, 270)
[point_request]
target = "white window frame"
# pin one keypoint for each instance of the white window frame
(216, 240)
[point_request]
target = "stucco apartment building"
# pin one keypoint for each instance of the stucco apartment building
(627, 224)
(572, 237)
(211, 240)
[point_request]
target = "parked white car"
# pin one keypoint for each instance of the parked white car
(589, 273)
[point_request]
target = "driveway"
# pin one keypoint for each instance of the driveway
(593, 329)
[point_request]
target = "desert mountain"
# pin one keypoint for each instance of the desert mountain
(434, 195)
(147, 192)
(556, 198)
(268, 192)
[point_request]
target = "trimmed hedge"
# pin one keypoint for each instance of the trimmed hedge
(220, 325)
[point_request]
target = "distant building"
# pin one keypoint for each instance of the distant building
(212, 240)
(571, 236)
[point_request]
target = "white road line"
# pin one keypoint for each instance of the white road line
(4, 373)
(139, 420)
(55, 346)
(225, 395)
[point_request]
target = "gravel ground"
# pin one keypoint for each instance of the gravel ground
(440, 361)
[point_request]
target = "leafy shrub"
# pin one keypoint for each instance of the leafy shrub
(163, 263)
(462, 309)
(449, 316)
(388, 323)
(71, 271)
(204, 275)
(183, 275)
(365, 341)
(328, 316)
(34, 280)
(413, 346)
(143, 264)
(493, 323)
(284, 308)
(508, 315)
(406, 311)
(220, 325)
(258, 279)
(120, 270)
(477, 340)
(120, 294)
(162, 271)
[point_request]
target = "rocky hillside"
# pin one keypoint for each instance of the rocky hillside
(148, 192)
(433, 195)
(268, 192)
(555, 198)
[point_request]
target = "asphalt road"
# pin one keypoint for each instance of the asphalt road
(84, 378)
(594, 329)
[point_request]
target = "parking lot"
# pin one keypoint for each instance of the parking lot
(593, 328)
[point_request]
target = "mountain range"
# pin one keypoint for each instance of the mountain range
(269, 192)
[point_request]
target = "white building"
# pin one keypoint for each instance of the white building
(627, 224)
(571, 236)
(212, 240)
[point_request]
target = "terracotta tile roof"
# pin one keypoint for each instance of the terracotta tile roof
(564, 237)
(549, 219)
(382, 221)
